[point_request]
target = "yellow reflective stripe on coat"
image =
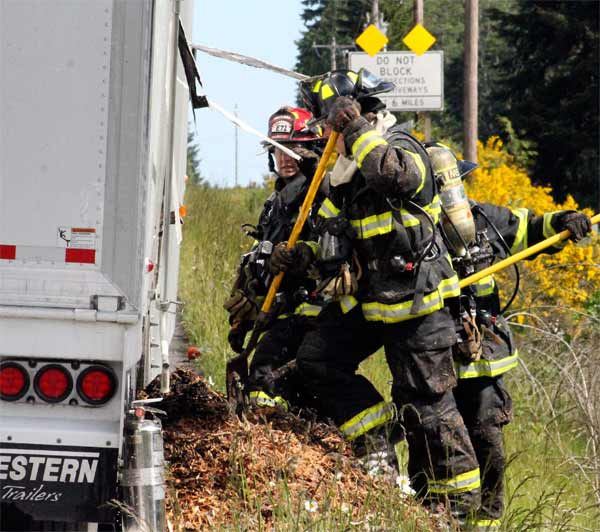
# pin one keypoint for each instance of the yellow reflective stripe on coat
(420, 166)
(263, 399)
(484, 524)
(375, 225)
(520, 242)
(365, 144)
(347, 303)
(468, 481)
(368, 419)
(484, 287)
(306, 309)
(548, 230)
(487, 368)
(328, 209)
(398, 312)
(434, 209)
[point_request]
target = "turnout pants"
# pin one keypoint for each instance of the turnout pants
(443, 467)
(486, 407)
(276, 347)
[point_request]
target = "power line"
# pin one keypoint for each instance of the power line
(235, 128)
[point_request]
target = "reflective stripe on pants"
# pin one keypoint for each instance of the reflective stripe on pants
(368, 419)
(487, 368)
(468, 481)
(263, 399)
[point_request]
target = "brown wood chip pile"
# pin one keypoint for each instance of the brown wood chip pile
(221, 466)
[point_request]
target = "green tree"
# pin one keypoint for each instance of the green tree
(445, 20)
(549, 90)
(322, 20)
(193, 161)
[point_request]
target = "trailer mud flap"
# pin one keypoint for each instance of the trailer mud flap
(54, 482)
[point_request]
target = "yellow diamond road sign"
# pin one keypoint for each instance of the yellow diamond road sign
(372, 40)
(419, 40)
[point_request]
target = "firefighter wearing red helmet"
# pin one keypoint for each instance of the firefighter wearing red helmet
(296, 307)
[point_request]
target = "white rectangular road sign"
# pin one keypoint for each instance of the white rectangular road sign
(419, 79)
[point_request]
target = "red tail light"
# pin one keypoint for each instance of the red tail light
(14, 381)
(53, 383)
(96, 385)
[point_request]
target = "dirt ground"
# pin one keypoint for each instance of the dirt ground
(221, 467)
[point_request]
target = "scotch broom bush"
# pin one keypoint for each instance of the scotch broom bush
(569, 278)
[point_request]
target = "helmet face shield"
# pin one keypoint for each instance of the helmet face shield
(367, 80)
(369, 84)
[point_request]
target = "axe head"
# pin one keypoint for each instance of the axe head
(236, 379)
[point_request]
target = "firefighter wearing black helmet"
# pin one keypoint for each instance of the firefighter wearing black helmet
(391, 203)
(295, 306)
(486, 350)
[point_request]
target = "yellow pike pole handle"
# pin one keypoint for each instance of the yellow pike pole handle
(303, 215)
(236, 369)
(555, 239)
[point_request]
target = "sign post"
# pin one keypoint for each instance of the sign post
(418, 79)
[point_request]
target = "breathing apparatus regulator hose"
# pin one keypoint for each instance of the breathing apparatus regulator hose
(508, 254)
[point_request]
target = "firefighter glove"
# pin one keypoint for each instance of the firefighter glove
(237, 335)
(240, 307)
(577, 223)
(342, 112)
(295, 261)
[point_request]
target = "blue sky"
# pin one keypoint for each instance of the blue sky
(265, 29)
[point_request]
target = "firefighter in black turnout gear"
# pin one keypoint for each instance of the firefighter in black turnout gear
(296, 308)
(387, 196)
(486, 350)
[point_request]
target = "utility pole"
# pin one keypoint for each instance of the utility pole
(470, 108)
(376, 18)
(418, 16)
(418, 9)
(235, 172)
(333, 46)
(375, 13)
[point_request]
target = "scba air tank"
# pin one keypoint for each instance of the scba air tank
(457, 219)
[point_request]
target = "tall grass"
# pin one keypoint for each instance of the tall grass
(213, 243)
(553, 445)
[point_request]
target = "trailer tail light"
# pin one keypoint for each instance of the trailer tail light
(96, 385)
(14, 381)
(53, 383)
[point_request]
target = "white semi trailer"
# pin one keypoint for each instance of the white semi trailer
(93, 139)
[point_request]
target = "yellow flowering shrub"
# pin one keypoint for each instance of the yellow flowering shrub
(567, 278)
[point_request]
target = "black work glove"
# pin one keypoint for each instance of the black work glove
(578, 223)
(342, 112)
(295, 261)
(237, 335)
(240, 307)
(309, 162)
